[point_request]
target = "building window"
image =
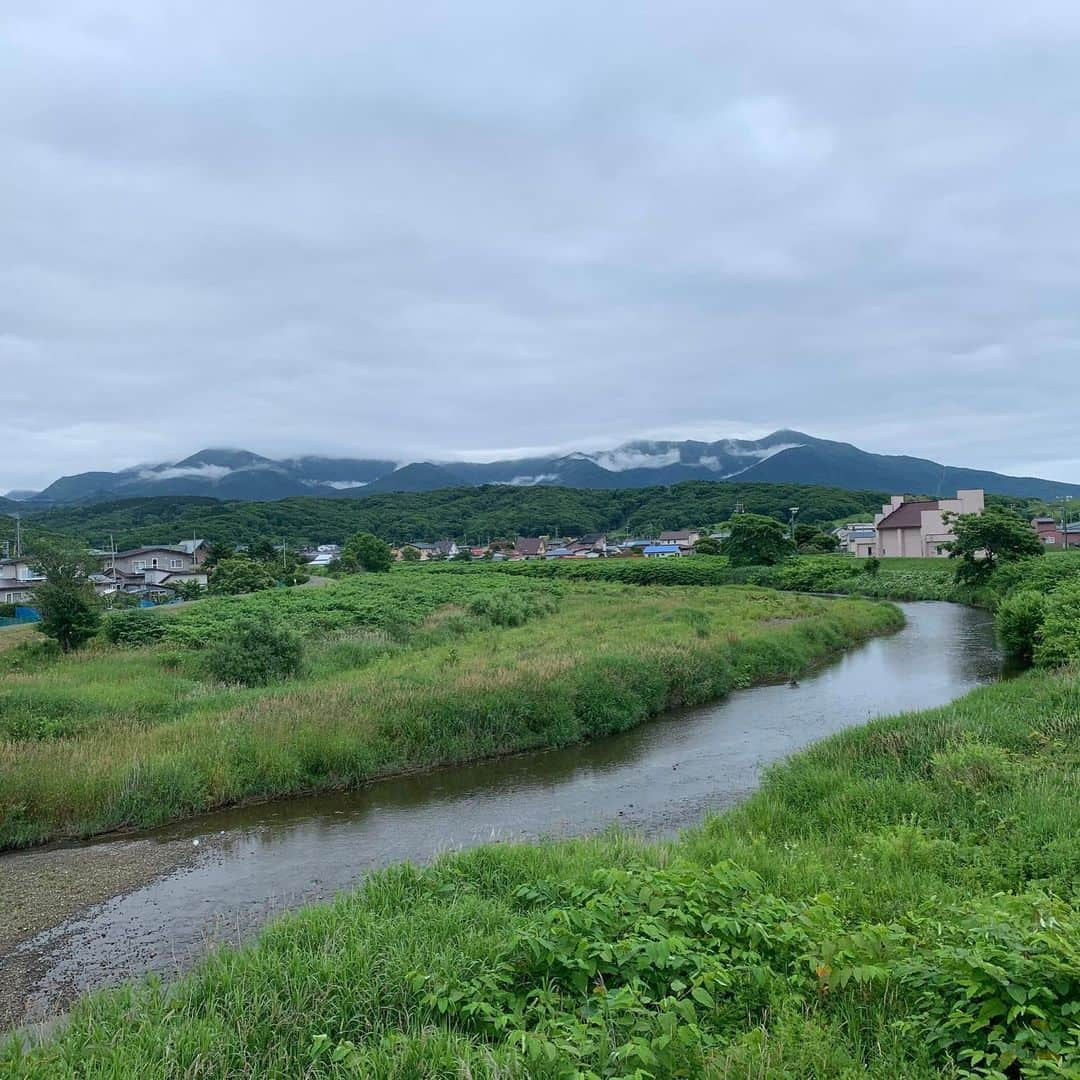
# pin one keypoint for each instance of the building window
(153, 563)
(139, 564)
(176, 564)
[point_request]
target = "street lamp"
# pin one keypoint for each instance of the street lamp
(791, 525)
(1065, 515)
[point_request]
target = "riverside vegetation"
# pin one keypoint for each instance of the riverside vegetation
(369, 676)
(900, 900)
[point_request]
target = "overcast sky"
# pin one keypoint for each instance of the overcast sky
(467, 228)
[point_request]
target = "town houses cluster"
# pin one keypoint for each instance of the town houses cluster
(905, 528)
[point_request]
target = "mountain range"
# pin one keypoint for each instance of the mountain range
(782, 457)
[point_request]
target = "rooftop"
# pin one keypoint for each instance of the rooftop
(907, 515)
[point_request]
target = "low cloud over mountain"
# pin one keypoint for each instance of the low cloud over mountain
(783, 456)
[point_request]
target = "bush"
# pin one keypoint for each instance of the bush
(254, 654)
(136, 627)
(1019, 623)
(1059, 642)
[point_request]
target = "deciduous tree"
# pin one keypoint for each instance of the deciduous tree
(70, 609)
(367, 552)
(756, 540)
(983, 541)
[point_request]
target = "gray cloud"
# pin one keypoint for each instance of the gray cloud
(474, 227)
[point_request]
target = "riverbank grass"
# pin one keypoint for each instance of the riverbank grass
(899, 900)
(138, 737)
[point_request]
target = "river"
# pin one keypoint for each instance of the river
(250, 864)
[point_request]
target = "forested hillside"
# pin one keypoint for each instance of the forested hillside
(471, 513)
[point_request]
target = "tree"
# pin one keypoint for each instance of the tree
(410, 554)
(189, 590)
(240, 574)
(462, 555)
(367, 552)
(707, 546)
(215, 553)
(262, 550)
(812, 540)
(70, 609)
(755, 540)
(984, 541)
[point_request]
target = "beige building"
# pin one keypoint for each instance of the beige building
(917, 529)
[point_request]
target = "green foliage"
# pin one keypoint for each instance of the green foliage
(139, 626)
(706, 545)
(493, 510)
(642, 969)
(811, 540)
(984, 541)
(1019, 621)
(897, 901)
(254, 653)
(698, 570)
(70, 609)
(506, 608)
(1059, 641)
(239, 574)
(366, 552)
(755, 540)
(190, 590)
(410, 554)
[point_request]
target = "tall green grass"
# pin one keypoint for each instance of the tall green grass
(122, 738)
(898, 901)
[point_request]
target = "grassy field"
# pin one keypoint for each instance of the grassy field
(403, 671)
(896, 579)
(898, 901)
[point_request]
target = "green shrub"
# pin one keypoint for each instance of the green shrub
(254, 654)
(1019, 622)
(510, 608)
(1059, 643)
(139, 626)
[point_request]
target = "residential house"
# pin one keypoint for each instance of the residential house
(560, 553)
(530, 547)
(685, 538)
(917, 529)
(663, 551)
(445, 549)
(1050, 532)
(156, 568)
(857, 538)
(17, 580)
(425, 550)
(593, 541)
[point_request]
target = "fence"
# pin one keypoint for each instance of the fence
(23, 616)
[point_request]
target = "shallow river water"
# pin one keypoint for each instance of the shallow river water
(255, 862)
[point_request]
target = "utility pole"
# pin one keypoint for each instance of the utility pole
(18, 536)
(791, 523)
